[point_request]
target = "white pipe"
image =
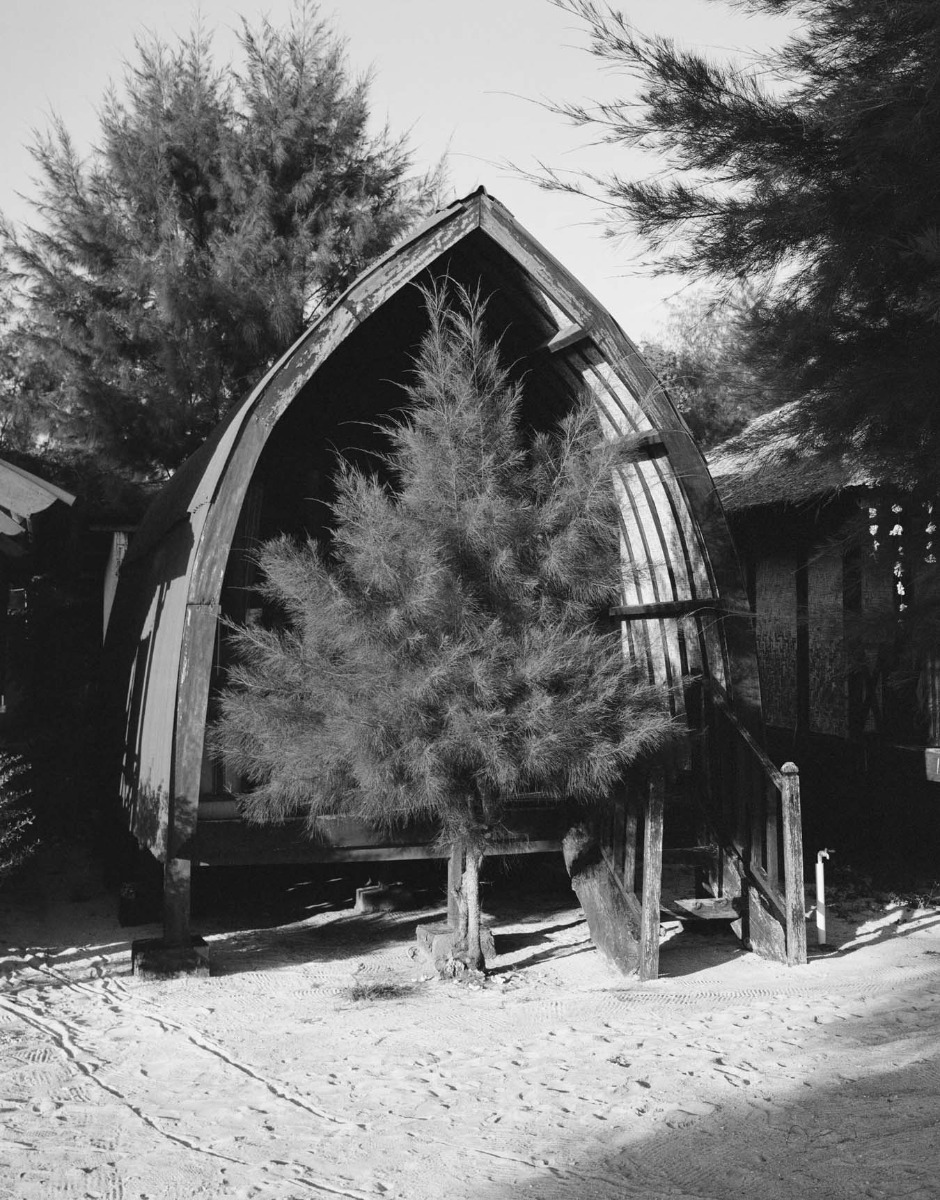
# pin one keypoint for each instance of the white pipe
(821, 896)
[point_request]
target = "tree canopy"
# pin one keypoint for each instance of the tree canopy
(815, 174)
(701, 358)
(221, 208)
(450, 650)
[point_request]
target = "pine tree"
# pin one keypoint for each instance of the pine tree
(700, 357)
(817, 175)
(448, 652)
(220, 210)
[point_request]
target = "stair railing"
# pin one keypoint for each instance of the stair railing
(755, 808)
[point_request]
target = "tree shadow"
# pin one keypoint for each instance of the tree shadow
(509, 943)
(852, 939)
(696, 950)
(351, 938)
(857, 1133)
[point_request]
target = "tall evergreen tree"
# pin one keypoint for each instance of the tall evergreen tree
(220, 209)
(449, 651)
(701, 359)
(818, 173)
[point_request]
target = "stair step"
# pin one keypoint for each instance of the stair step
(707, 909)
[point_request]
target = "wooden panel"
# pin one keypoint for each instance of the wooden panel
(155, 632)
(618, 406)
(648, 967)
(793, 866)
(221, 838)
(775, 588)
(665, 608)
(613, 914)
(828, 696)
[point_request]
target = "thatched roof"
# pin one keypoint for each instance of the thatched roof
(772, 462)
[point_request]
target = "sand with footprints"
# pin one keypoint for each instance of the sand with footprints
(321, 1060)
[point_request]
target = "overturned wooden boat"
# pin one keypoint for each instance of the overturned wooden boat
(684, 617)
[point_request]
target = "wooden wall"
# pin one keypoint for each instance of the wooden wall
(775, 614)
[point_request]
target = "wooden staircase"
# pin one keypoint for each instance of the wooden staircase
(748, 865)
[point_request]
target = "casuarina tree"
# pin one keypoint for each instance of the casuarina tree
(816, 173)
(700, 357)
(449, 650)
(222, 207)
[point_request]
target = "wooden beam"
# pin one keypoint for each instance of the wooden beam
(642, 446)
(613, 917)
(648, 965)
(664, 608)
(793, 866)
(565, 339)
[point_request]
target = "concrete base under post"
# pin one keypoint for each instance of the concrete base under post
(153, 958)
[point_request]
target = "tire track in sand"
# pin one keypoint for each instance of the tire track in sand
(61, 1035)
(203, 1043)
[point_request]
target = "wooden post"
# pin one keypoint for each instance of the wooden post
(455, 865)
(652, 877)
(772, 833)
(176, 898)
(793, 865)
(629, 837)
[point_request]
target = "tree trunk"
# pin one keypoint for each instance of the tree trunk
(471, 894)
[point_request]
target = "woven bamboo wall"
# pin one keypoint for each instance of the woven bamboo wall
(775, 584)
(828, 685)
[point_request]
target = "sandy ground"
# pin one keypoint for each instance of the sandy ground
(320, 1060)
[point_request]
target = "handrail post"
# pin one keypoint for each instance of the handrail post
(793, 865)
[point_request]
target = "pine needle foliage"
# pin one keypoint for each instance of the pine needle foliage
(222, 207)
(449, 651)
(815, 173)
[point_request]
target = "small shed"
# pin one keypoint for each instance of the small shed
(266, 469)
(834, 552)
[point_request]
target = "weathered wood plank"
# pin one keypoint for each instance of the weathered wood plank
(643, 446)
(663, 608)
(565, 339)
(612, 920)
(236, 843)
(652, 877)
(630, 828)
(710, 908)
(793, 865)
(456, 863)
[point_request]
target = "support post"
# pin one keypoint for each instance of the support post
(793, 865)
(652, 876)
(455, 866)
(177, 888)
(177, 952)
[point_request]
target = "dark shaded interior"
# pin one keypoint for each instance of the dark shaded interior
(360, 389)
(363, 384)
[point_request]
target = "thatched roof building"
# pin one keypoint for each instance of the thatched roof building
(835, 552)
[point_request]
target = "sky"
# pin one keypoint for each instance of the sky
(463, 77)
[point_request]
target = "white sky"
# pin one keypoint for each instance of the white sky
(462, 73)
